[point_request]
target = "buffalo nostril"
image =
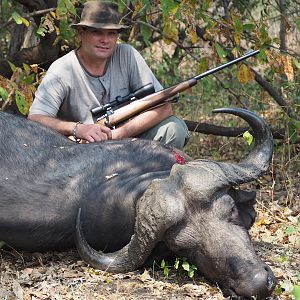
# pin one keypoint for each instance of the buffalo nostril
(258, 286)
(264, 282)
(270, 283)
(271, 280)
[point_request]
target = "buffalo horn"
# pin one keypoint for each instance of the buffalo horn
(250, 168)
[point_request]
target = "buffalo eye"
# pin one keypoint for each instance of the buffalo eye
(234, 214)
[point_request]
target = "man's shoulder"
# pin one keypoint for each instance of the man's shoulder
(63, 63)
(125, 49)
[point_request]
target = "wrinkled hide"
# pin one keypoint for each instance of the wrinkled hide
(126, 197)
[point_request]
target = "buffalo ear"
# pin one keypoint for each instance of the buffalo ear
(245, 201)
(240, 196)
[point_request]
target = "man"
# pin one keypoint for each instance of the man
(96, 73)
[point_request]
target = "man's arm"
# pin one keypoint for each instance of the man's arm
(142, 122)
(88, 132)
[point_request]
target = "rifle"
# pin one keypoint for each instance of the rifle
(144, 98)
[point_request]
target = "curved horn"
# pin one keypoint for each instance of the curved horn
(222, 174)
(158, 209)
(260, 156)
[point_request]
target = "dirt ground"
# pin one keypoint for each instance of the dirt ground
(63, 276)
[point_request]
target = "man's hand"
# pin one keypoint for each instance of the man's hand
(89, 132)
(93, 132)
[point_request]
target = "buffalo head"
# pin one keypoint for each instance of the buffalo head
(198, 214)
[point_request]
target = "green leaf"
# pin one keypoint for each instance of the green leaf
(262, 55)
(202, 65)
(61, 9)
(226, 84)
(295, 123)
(298, 24)
(296, 292)
(206, 4)
(249, 27)
(2, 243)
(221, 52)
(291, 230)
(169, 7)
(65, 32)
(21, 102)
(3, 95)
(25, 22)
(279, 290)
(12, 66)
(166, 271)
(283, 258)
(41, 30)
(163, 264)
(26, 68)
(176, 264)
(186, 266)
(192, 270)
(264, 35)
(17, 18)
(297, 64)
(146, 33)
(238, 26)
(70, 7)
(248, 137)
(191, 273)
(29, 79)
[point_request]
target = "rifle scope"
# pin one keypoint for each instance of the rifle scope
(137, 94)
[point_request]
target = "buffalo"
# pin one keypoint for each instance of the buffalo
(123, 202)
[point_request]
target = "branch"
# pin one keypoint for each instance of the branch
(28, 16)
(164, 36)
(43, 53)
(282, 31)
(33, 4)
(206, 128)
(276, 95)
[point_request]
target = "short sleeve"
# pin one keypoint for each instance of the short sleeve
(49, 96)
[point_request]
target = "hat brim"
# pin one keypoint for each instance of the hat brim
(100, 25)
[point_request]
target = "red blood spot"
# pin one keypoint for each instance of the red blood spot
(179, 159)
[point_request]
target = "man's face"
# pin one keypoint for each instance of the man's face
(98, 43)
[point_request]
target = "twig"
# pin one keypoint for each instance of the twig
(274, 94)
(28, 16)
(165, 36)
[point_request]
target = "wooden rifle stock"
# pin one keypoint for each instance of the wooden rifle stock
(159, 98)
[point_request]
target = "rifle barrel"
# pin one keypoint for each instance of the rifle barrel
(130, 110)
(214, 70)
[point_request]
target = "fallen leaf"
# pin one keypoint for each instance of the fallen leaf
(18, 291)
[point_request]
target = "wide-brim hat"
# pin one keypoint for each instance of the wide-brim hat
(100, 15)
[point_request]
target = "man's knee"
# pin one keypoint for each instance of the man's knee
(171, 131)
(174, 132)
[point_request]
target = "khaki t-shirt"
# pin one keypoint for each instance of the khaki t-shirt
(69, 92)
